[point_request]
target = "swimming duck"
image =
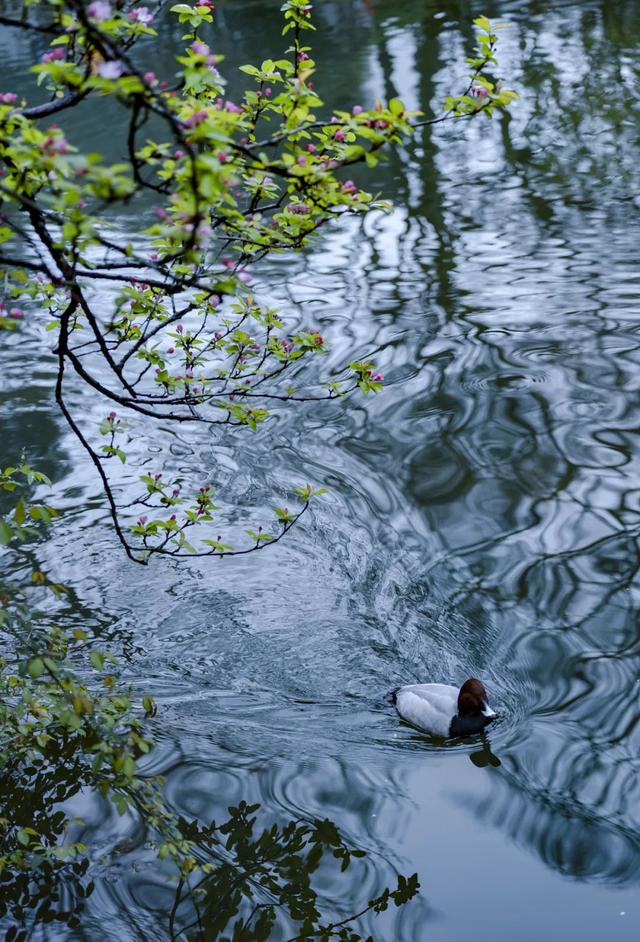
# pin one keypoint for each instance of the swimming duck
(444, 710)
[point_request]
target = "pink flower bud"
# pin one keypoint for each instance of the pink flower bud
(53, 55)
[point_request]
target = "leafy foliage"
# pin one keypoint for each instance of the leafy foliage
(19, 523)
(187, 338)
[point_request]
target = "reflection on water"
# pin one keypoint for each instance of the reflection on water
(483, 514)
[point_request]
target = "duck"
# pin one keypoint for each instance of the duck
(445, 710)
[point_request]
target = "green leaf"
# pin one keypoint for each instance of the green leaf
(35, 667)
(6, 533)
(482, 22)
(97, 659)
(20, 512)
(149, 706)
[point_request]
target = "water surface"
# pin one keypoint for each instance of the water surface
(482, 515)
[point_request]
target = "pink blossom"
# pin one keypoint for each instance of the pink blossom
(8, 98)
(357, 109)
(99, 10)
(53, 55)
(149, 77)
(301, 209)
(207, 4)
(54, 145)
(232, 107)
(267, 91)
(375, 376)
(196, 118)
(179, 328)
(160, 212)
(179, 154)
(312, 148)
(16, 313)
(171, 350)
(318, 339)
(302, 57)
(112, 416)
(349, 187)
(112, 69)
(479, 91)
(141, 15)
(200, 49)
(142, 520)
(339, 135)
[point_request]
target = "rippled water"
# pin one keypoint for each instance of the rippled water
(483, 512)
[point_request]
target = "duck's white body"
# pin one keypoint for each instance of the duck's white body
(432, 707)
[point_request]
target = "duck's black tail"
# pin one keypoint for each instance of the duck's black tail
(391, 696)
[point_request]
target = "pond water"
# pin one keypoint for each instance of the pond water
(482, 517)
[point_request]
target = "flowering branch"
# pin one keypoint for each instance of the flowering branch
(186, 337)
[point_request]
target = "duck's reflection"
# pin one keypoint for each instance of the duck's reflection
(484, 757)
